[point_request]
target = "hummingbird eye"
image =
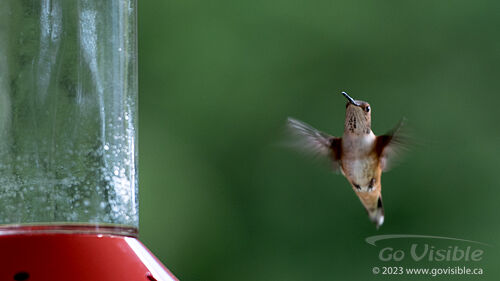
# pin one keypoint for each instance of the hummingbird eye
(367, 109)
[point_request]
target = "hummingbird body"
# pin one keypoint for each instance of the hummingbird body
(358, 154)
(360, 164)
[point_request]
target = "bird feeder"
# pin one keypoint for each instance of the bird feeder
(68, 143)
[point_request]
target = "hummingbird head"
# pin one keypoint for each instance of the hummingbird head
(357, 116)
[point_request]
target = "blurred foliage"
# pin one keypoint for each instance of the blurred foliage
(222, 200)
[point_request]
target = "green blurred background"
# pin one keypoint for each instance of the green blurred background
(222, 200)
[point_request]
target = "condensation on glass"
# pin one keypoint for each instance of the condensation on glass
(68, 112)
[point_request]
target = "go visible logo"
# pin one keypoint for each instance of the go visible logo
(427, 251)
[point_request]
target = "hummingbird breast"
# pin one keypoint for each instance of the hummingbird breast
(360, 163)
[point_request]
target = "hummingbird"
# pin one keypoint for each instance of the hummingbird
(359, 154)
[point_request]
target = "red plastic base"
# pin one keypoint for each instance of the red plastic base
(77, 257)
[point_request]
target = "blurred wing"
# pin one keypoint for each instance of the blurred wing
(390, 146)
(314, 142)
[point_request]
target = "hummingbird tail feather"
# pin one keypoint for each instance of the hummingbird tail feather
(377, 214)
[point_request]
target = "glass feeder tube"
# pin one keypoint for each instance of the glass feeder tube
(68, 115)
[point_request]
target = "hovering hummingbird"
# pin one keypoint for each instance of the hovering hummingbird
(359, 155)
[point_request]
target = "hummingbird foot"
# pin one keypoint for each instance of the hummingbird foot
(371, 185)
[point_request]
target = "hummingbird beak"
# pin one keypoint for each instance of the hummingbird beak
(351, 100)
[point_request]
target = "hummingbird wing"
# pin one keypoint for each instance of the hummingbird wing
(390, 146)
(315, 142)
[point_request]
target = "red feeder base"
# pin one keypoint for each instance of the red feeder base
(44, 256)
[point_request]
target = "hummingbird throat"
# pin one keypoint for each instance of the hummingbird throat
(356, 123)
